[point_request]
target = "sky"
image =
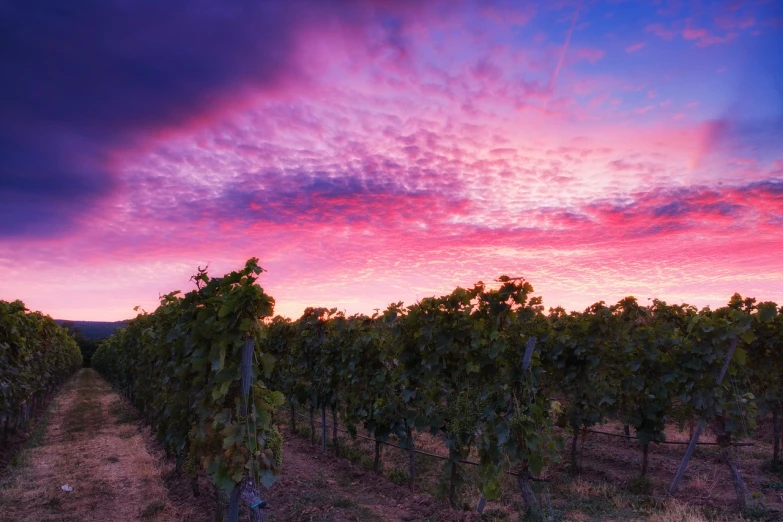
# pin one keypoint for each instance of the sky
(370, 152)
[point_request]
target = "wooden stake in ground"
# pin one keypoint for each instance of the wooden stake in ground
(453, 485)
(233, 505)
(482, 504)
(248, 484)
(523, 479)
(335, 440)
(218, 505)
(411, 456)
(776, 414)
(323, 429)
(376, 465)
(293, 417)
(574, 464)
(528, 495)
(724, 442)
(697, 431)
(312, 425)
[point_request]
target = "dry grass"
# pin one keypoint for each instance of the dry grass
(113, 478)
(675, 511)
(91, 440)
(605, 489)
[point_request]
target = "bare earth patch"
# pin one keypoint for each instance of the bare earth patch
(112, 474)
(601, 491)
(317, 486)
(95, 442)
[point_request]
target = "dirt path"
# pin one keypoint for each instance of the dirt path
(88, 444)
(90, 440)
(317, 486)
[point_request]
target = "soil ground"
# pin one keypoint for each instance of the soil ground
(604, 488)
(85, 445)
(90, 439)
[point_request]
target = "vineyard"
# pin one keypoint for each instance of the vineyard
(36, 356)
(486, 371)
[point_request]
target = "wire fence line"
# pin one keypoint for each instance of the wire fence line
(680, 442)
(513, 474)
(419, 452)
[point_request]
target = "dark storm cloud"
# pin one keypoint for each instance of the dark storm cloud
(85, 78)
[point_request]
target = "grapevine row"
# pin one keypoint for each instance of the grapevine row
(486, 369)
(454, 366)
(183, 368)
(36, 355)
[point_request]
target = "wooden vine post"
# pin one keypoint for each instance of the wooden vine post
(724, 443)
(293, 416)
(776, 414)
(411, 456)
(376, 465)
(323, 429)
(574, 442)
(453, 486)
(702, 423)
(312, 425)
(335, 440)
(247, 488)
(523, 479)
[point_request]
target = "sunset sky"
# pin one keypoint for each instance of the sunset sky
(369, 152)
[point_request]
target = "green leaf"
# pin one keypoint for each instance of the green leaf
(267, 363)
(492, 489)
(740, 356)
(223, 481)
(220, 391)
(232, 434)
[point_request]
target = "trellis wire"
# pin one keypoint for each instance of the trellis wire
(680, 442)
(513, 474)
(426, 454)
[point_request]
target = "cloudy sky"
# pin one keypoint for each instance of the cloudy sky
(377, 151)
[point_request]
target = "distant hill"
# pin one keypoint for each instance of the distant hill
(95, 329)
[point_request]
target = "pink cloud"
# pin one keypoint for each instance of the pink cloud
(404, 157)
(660, 31)
(642, 110)
(590, 55)
(380, 265)
(733, 21)
(704, 37)
(693, 33)
(713, 40)
(635, 47)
